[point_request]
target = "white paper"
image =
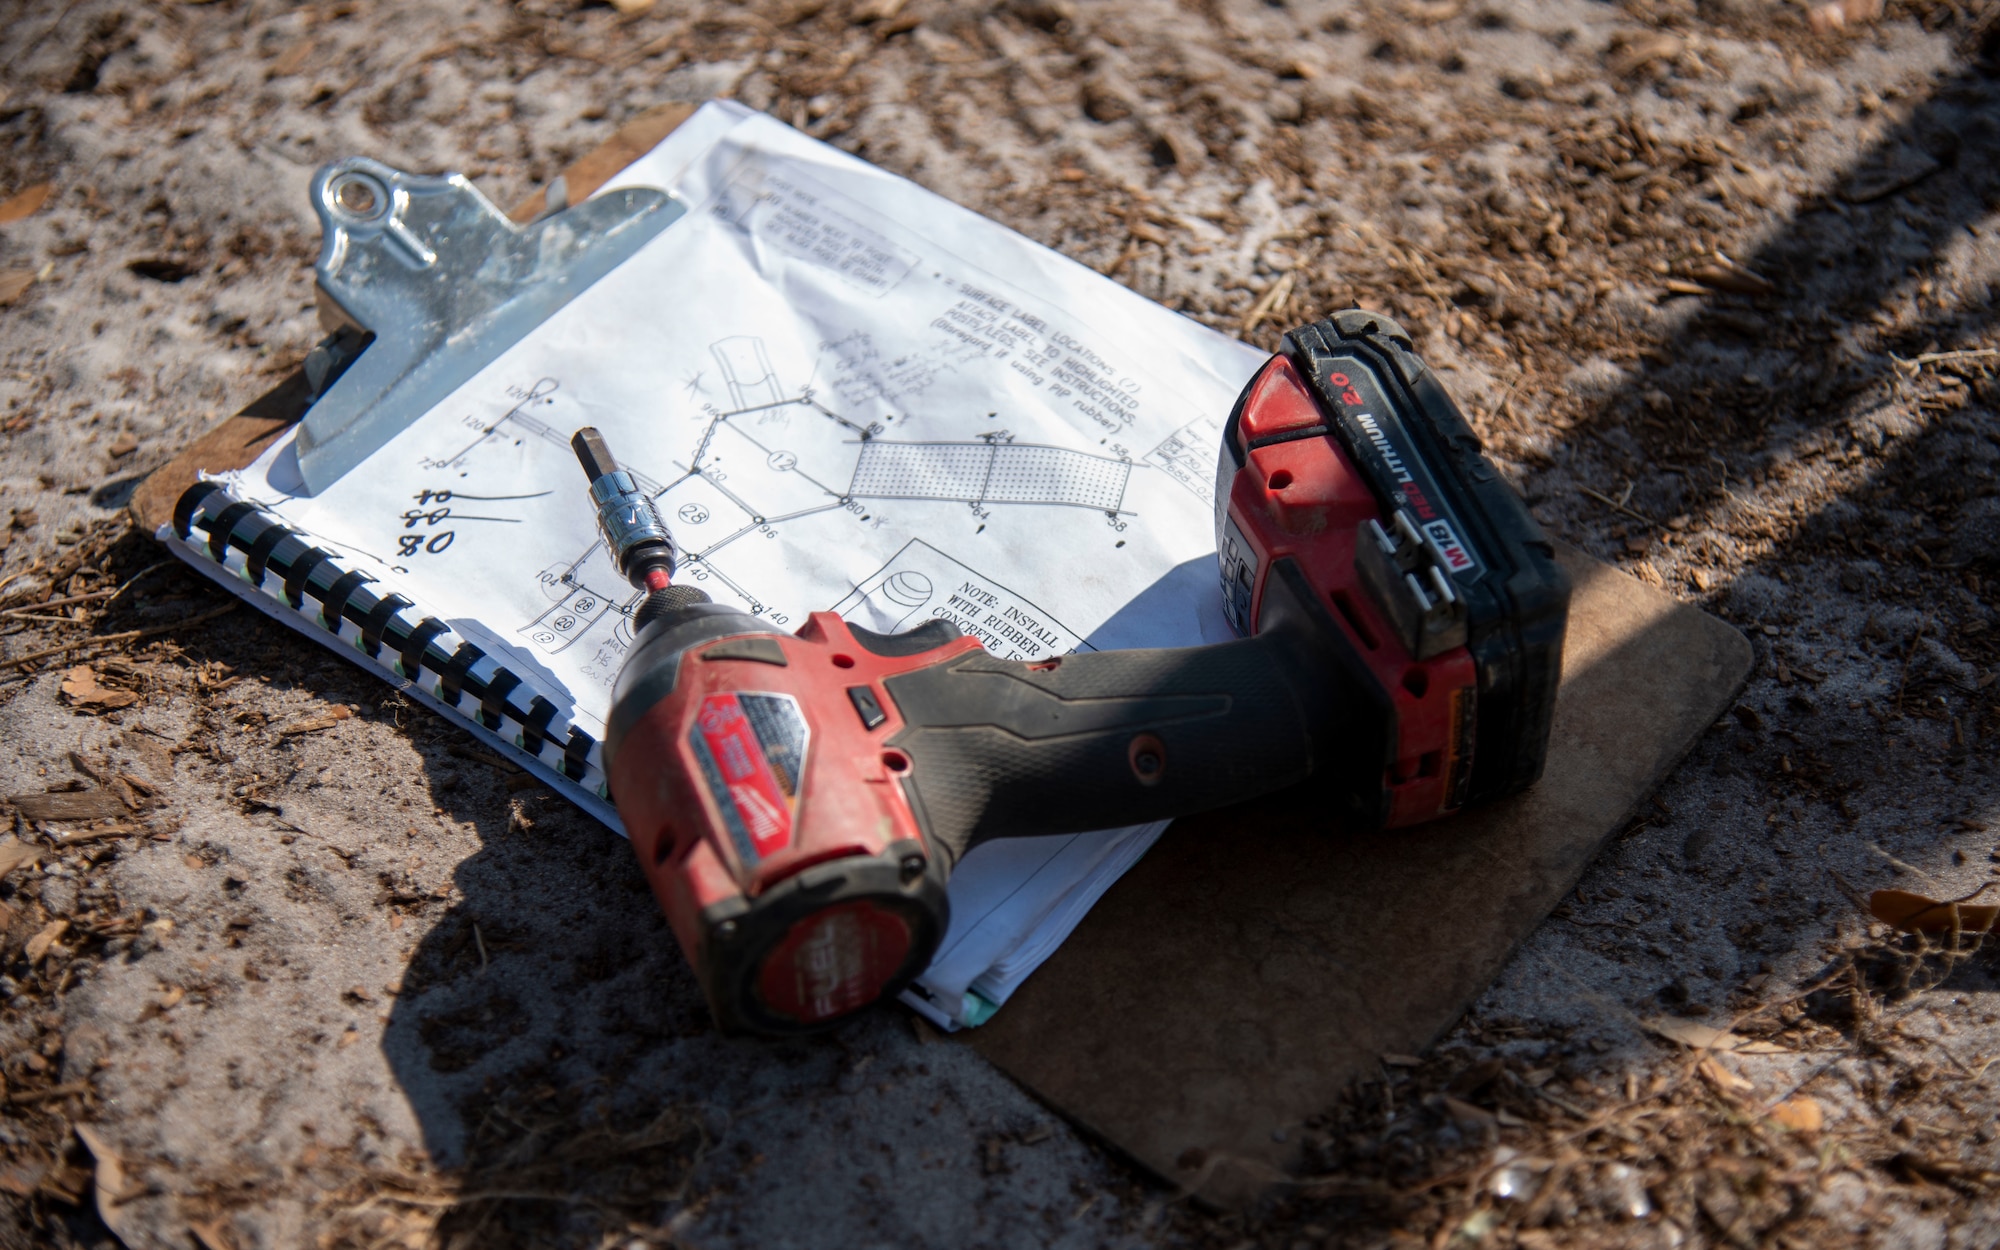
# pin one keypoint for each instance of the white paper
(848, 394)
(1012, 903)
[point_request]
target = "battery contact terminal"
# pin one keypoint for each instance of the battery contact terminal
(1404, 570)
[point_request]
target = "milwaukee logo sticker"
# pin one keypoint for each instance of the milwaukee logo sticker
(752, 751)
(1381, 446)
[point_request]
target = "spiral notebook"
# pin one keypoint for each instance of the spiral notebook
(844, 394)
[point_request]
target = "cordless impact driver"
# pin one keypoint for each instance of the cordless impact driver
(797, 801)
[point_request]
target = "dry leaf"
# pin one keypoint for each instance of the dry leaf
(314, 724)
(1702, 1037)
(213, 1234)
(14, 283)
(877, 10)
(154, 754)
(14, 853)
(82, 689)
(1430, 12)
(1842, 13)
(1919, 914)
(1629, 56)
(123, 829)
(293, 60)
(1722, 1078)
(1801, 1114)
(1719, 277)
(627, 8)
(69, 805)
(1467, 1116)
(25, 203)
(113, 1186)
(38, 945)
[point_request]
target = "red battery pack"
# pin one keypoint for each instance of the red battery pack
(1348, 475)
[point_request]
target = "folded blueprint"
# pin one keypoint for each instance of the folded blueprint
(846, 394)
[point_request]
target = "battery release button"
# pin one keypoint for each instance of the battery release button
(1279, 406)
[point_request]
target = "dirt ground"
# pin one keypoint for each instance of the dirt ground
(288, 962)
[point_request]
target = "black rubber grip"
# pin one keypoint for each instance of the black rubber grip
(1002, 748)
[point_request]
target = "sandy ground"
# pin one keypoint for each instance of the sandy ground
(290, 963)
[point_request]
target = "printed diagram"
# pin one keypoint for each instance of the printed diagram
(921, 583)
(774, 455)
(1189, 456)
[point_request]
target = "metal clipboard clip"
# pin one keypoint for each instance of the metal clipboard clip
(431, 282)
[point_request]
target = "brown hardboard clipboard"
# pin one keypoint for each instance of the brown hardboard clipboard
(1254, 963)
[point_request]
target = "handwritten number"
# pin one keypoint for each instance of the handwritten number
(412, 544)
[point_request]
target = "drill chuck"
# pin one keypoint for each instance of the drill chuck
(635, 536)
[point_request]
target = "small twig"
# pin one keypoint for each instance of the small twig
(1507, 396)
(127, 584)
(1939, 358)
(127, 636)
(1615, 506)
(91, 597)
(54, 1091)
(1903, 681)
(17, 575)
(1772, 1104)
(487, 1195)
(1565, 1104)
(1272, 301)
(480, 940)
(57, 603)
